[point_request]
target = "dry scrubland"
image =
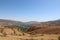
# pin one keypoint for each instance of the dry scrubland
(45, 31)
(34, 37)
(13, 34)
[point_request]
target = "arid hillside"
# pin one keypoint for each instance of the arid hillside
(15, 30)
(7, 30)
(50, 27)
(45, 30)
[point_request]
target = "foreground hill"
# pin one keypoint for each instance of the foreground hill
(10, 27)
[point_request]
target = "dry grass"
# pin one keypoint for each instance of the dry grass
(34, 37)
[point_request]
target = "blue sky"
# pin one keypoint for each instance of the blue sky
(30, 10)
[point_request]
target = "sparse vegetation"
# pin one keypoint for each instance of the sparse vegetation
(37, 32)
(4, 34)
(24, 28)
(59, 38)
(42, 39)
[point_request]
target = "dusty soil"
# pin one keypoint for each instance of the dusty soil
(34, 37)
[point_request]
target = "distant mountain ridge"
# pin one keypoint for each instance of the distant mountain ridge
(12, 22)
(54, 22)
(32, 22)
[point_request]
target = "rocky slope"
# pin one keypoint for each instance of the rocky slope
(50, 27)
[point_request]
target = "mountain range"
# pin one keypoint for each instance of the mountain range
(12, 22)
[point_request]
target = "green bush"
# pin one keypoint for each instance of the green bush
(24, 28)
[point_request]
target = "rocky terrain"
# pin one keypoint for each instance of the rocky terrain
(16, 30)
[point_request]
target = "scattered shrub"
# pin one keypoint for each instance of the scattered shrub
(59, 38)
(24, 28)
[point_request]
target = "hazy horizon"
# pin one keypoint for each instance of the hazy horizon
(30, 10)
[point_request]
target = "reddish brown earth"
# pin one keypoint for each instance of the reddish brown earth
(44, 29)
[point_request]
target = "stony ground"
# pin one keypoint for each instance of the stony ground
(35, 37)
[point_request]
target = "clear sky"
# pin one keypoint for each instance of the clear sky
(30, 10)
